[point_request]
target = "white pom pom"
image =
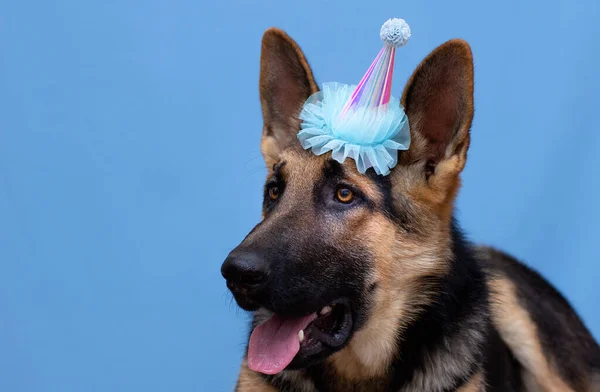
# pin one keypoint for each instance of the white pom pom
(395, 32)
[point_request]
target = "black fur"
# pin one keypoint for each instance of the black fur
(502, 371)
(458, 310)
(458, 314)
(324, 191)
(313, 257)
(401, 216)
(307, 268)
(452, 338)
(460, 296)
(563, 335)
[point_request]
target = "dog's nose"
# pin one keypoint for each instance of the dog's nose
(245, 272)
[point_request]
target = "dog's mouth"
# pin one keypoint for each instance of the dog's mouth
(280, 340)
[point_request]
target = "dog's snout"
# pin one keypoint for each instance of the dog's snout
(246, 272)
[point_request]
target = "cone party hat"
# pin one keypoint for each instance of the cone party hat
(363, 122)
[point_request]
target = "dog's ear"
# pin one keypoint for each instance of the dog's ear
(438, 100)
(286, 81)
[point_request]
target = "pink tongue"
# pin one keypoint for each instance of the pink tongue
(274, 343)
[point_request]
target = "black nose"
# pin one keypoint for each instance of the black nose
(246, 273)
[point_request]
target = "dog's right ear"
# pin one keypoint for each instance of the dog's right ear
(286, 81)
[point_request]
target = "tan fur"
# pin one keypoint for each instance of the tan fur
(249, 381)
(400, 295)
(440, 192)
(440, 123)
(426, 178)
(595, 383)
(402, 260)
(400, 263)
(430, 99)
(363, 183)
(475, 384)
(520, 333)
(281, 56)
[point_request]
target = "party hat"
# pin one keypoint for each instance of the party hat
(363, 122)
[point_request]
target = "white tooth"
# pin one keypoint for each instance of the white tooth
(325, 310)
(301, 336)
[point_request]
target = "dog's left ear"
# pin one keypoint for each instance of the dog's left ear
(438, 100)
(286, 81)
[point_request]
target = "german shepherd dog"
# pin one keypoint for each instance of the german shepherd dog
(361, 282)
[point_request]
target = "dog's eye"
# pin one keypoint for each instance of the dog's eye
(344, 195)
(273, 193)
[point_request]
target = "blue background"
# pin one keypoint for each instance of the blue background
(130, 167)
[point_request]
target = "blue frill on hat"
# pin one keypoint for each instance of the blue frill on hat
(371, 137)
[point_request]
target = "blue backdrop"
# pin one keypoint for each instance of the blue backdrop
(130, 167)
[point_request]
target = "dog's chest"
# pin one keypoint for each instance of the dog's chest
(298, 382)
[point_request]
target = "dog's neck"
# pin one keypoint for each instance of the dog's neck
(441, 349)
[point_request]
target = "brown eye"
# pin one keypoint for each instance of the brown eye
(344, 195)
(273, 193)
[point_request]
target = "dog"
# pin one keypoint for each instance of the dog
(362, 282)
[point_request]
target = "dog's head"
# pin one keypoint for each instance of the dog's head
(337, 265)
